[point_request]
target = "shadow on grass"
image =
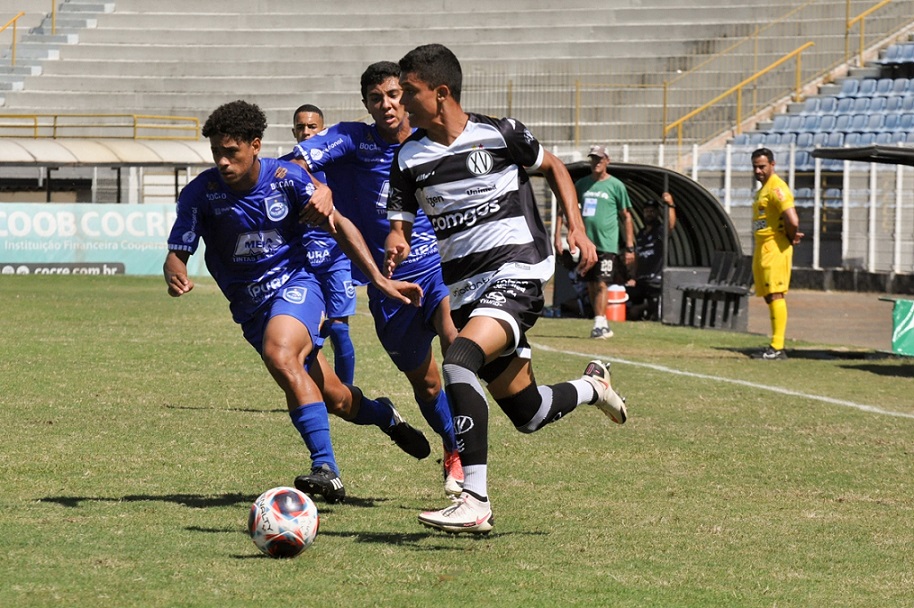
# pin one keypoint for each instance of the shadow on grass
(247, 410)
(895, 371)
(198, 501)
(818, 354)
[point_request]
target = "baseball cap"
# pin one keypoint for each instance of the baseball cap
(652, 203)
(598, 150)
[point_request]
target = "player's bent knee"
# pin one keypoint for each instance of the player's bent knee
(466, 354)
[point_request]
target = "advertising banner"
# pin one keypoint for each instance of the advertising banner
(87, 239)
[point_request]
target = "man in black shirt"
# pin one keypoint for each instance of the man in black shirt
(644, 290)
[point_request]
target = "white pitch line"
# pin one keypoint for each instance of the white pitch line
(773, 389)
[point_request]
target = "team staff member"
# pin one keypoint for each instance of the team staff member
(776, 228)
(604, 204)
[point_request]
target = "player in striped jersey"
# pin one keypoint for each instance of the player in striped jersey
(467, 173)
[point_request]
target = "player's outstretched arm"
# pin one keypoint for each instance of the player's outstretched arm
(354, 246)
(396, 246)
(320, 206)
(560, 181)
(175, 269)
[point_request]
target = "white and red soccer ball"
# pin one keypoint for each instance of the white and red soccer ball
(283, 522)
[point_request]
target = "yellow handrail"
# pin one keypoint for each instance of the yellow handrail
(738, 89)
(51, 126)
(852, 21)
(14, 21)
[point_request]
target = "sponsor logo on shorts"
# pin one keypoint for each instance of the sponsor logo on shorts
(350, 289)
(294, 295)
(494, 299)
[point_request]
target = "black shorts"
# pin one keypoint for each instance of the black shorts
(610, 268)
(518, 302)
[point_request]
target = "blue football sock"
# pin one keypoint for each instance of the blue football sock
(373, 412)
(343, 352)
(438, 415)
(313, 424)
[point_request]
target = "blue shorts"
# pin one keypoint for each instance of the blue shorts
(336, 284)
(301, 298)
(406, 332)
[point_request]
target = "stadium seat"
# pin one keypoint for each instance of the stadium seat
(835, 139)
(843, 122)
(741, 139)
(810, 123)
(874, 123)
(891, 55)
(867, 139)
(884, 87)
(906, 123)
(827, 123)
(884, 138)
(831, 197)
(858, 122)
(877, 104)
(804, 140)
(757, 138)
(819, 139)
(780, 123)
(891, 123)
(828, 105)
(900, 86)
(772, 139)
(893, 104)
(803, 161)
(898, 137)
(810, 106)
(845, 105)
(852, 140)
(849, 88)
(909, 138)
(860, 105)
(907, 103)
(795, 123)
(867, 87)
(907, 53)
(788, 138)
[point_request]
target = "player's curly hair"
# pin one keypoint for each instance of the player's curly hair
(239, 120)
(377, 73)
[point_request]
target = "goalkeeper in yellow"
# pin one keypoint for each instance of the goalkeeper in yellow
(776, 228)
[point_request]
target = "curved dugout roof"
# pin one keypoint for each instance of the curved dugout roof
(702, 225)
(23, 152)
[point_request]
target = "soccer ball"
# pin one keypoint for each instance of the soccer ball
(283, 522)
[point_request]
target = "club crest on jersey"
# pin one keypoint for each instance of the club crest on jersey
(350, 289)
(277, 207)
(294, 295)
(480, 162)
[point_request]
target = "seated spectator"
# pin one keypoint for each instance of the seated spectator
(644, 290)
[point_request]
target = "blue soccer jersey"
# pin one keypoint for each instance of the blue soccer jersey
(356, 161)
(253, 239)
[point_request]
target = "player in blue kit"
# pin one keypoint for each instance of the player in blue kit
(356, 157)
(247, 210)
(328, 263)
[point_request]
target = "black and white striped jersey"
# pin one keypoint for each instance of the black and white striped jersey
(478, 197)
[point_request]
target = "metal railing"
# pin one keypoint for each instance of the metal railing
(13, 22)
(737, 89)
(113, 126)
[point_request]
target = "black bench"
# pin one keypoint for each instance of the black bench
(729, 281)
